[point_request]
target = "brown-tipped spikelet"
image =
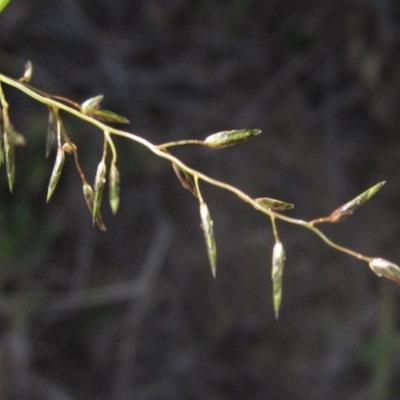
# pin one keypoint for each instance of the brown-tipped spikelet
(386, 269)
(91, 104)
(88, 195)
(11, 138)
(89, 198)
(347, 209)
(273, 204)
(55, 175)
(185, 179)
(99, 183)
(9, 154)
(28, 71)
(109, 116)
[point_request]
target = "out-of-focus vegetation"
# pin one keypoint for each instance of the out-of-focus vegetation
(136, 313)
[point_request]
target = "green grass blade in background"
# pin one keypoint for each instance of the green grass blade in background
(3, 4)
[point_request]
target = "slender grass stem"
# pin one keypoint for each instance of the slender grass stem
(160, 151)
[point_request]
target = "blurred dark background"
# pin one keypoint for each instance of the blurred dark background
(133, 312)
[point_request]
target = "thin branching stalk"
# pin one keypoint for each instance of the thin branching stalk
(50, 101)
(180, 143)
(190, 178)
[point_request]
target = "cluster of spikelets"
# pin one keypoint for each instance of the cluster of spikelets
(91, 112)
(57, 133)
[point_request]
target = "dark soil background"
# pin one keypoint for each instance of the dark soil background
(133, 312)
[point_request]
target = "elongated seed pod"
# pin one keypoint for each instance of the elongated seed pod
(278, 264)
(109, 116)
(9, 154)
(385, 268)
(208, 230)
(185, 179)
(28, 72)
(347, 209)
(274, 204)
(88, 194)
(229, 138)
(92, 104)
(113, 191)
(99, 183)
(55, 175)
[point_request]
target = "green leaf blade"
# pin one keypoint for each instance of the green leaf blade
(3, 4)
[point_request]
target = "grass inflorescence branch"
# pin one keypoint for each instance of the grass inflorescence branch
(190, 178)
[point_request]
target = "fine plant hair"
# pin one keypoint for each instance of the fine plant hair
(191, 179)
